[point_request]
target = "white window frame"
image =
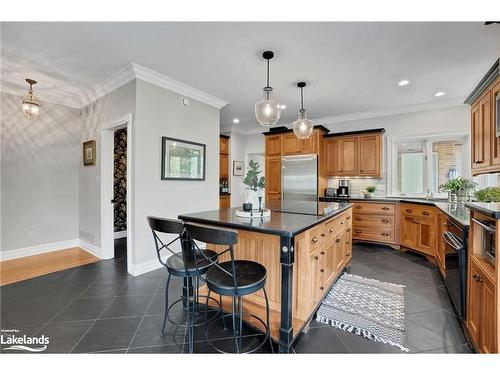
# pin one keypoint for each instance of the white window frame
(392, 173)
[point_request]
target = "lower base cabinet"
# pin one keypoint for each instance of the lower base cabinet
(418, 228)
(481, 309)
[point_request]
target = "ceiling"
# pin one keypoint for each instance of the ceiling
(350, 67)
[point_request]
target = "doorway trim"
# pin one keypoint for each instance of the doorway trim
(107, 151)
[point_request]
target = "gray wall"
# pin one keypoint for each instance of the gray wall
(39, 174)
(108, 108)
(160, 113)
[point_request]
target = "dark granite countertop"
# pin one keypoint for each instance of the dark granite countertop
(279, 223)
(488, 209)
(459, 212)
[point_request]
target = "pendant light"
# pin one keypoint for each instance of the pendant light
(302, 127)
(268, 110)
(31, 106)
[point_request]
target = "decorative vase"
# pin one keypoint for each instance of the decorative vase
(369, 195)
(253, 198)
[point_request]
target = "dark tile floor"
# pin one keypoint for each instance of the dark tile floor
(100, 308)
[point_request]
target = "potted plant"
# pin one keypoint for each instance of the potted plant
(490, 194)
(457, 188)
(255, 185)
(369, 191)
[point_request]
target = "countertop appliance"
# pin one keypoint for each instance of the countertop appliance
(330, 192)
(299, 183)
(455, 257)
(343, 189)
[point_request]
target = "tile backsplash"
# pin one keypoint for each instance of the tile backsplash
(359, 183)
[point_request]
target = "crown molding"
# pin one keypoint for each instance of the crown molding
(161, 80)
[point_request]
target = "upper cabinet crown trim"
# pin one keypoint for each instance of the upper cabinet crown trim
(489, 77)
(284, 129)
(356, 132)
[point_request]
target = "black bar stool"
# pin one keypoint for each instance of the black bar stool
(235, 279)
(188, 264)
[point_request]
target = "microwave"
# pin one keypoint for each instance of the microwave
(487, 235)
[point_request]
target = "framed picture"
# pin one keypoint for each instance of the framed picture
(182, 160)
(237, 168)
(89, 153)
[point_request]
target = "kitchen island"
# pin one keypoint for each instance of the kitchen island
(303, 252)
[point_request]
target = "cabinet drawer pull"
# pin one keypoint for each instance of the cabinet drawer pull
(314, 240)
(409, 210)
(357, 207)
(322, 253)
(316, 257)
(357, 218)
(348, 229)
(357, 231)
(321, 270)
(384, 234)
(331, 230)
(425, 213)
(385, 208)
(349, 217)
(342, 222)
(337, 240)
(322, 235)
(385, 221)
(322, 287)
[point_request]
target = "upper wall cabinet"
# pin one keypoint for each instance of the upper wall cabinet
(485, 144)
(291, 145)
(354, 154)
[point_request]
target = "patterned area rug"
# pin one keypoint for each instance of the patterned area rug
(369, 308)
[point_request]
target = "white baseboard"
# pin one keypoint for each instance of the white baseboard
(38, 249)
(145, 267)
(92, 249)
(120, 234)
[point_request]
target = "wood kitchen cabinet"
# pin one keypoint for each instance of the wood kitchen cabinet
(481, 311)
(375, 222)
(273, 145)
(358, 154)
(223, 165)
(418, 228)
(224, 201)
(291, 145)
(485, 145)
(273, 181)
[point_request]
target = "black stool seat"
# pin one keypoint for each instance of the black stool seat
(250, 277)
(175, 263)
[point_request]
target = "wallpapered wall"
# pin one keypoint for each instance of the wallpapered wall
(120, 180)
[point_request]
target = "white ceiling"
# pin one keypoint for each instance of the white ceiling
(350, 67)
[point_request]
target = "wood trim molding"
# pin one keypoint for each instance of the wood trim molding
(38, 249)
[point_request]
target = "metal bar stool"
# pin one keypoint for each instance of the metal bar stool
(235, 279)
(189, 264)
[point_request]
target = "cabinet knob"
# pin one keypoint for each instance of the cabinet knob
(357, 218)
(385, 208)
(348, 229)
(331, 230)
(342, 222)
(337, 240)
(357, 231)
(322, 270)
(316, 257)
(322, 253)
(314, 240)
(384, 234)
(361, 170)
(385, 221)
(322, 235)
(425, 213)
(409, 210)
(322, 287)
(357, 207)
(348, 217)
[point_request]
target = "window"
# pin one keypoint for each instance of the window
(420, 165)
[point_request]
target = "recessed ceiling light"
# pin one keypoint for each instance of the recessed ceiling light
(440, 93)
(236, 120)
(404, 82)
(283, 106)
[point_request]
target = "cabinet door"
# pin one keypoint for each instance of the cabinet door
(339, 253)
(442, 227)
(223, 145)
(330, 267)
(481, 131)
(409, 232)
(487, 328)
(309, 145)
(273, 180)
(290, 144)
(369, 155)
(225, 201)
(273, 145)
(426, 237)
(315, 279)
(331, 156)
(223, 165)
(473, 303)
(348, 156)
(495, 141)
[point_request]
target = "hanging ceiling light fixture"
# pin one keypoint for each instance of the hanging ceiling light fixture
(268, 110)
(302, 127)
(31, 106)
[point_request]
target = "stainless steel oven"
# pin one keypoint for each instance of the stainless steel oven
(455, 257)
(487, 229)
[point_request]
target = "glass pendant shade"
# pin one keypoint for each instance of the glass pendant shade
(268, 112)
(31, 106)
(303, 127)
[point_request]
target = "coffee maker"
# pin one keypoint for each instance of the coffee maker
(343, 189)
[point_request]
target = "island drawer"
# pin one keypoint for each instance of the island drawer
(373, 234)
(314, 237)
(374, 208)
(381, 222)
(422, 212)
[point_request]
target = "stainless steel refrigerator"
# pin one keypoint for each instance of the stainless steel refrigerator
(299, 183)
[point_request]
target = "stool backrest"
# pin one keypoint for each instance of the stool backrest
(167, 226)
(216, 236)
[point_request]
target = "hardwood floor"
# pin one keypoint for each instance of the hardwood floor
(15, 270)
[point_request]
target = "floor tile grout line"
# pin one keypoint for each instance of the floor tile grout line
(65, 306)
(143, 315)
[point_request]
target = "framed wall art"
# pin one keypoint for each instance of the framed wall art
(89, 152)
(182, 160)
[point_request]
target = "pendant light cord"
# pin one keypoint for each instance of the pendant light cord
(302, 98)
(267, 71)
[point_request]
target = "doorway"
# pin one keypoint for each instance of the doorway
(116, 191)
